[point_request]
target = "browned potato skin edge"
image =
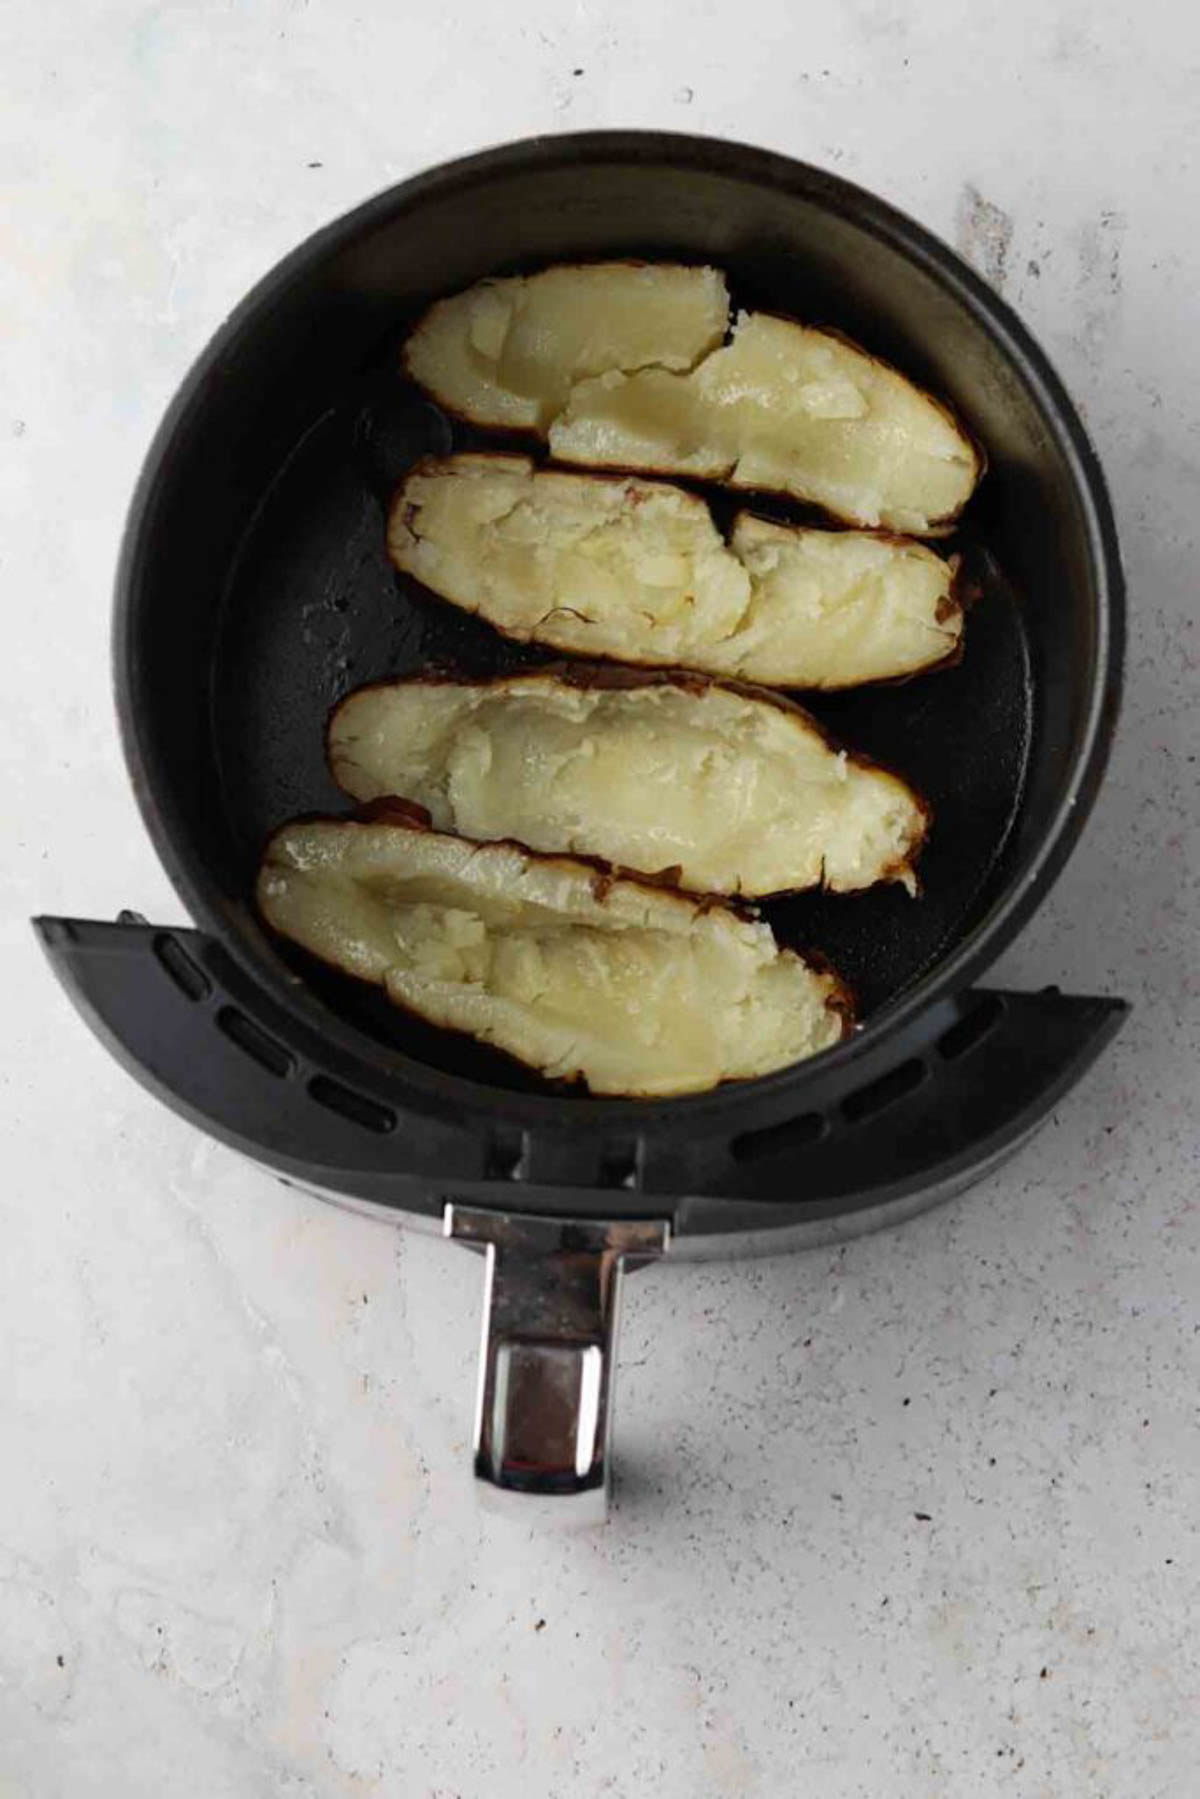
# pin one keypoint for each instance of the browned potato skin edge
(621, 676)
(958, 600)
(407, 815)
(936, 527)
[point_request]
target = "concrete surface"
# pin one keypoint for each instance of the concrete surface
(912, 1518)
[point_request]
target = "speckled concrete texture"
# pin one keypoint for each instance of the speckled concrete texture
(912, 1519)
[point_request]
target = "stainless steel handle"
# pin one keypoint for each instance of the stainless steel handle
(551, 1309)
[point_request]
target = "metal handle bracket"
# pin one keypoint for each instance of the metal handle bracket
(551, 1312)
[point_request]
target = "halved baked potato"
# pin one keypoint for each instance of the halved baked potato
(507, 353)
(632, 989)
(637, 571)
(625, 365)
(787, 409)
(734, 791)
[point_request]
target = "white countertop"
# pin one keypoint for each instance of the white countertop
(239, 1557)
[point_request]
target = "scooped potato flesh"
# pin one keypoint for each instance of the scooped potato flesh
(637, 571)
(506, 353)
(738, 794)
(635, 991)
(785, 409)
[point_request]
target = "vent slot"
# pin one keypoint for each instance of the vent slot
(507, 1156)
(621, 1165)
(776, 1139)
(890, 1087)
(256, 1043)
(979, 1023)
(190, 979)
(356, 1108)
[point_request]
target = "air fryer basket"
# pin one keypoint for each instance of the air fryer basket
(254, 591)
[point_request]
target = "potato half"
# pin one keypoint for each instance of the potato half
(787, 409)
(507, 353)
(735, 792)
(624, 365)
(632, 989)
(636, 571)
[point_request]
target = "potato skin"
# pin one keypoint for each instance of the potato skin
(828, 1015)
(509, 411)
(618, 677)
(719, 466)
(615, 567)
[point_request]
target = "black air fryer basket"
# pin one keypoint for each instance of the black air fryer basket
(254, 590)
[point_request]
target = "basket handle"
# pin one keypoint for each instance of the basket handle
(551, 1312)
